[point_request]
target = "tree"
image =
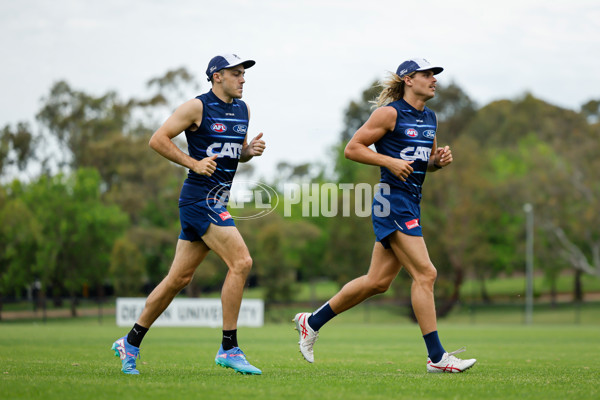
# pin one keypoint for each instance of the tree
(537, 153)
(359, 111)
(19, 240)
(17, 147)
(98, 227)
(279, 248)
(77, 120)
(572, 218)
(454, 110)
(591, 110)
(172, 88)
(77, 229)
(126, 268)
(111, 135)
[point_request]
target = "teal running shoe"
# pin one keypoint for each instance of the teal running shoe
(236, 359)
(127, 353)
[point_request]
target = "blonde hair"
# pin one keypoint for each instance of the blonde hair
(392, 90)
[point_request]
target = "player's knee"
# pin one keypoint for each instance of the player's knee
(381, 286)
(426, 276)
(178, 282)
(242, 265)
(378, 286)
(432, 274)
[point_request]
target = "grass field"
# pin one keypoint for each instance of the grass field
(72, 360)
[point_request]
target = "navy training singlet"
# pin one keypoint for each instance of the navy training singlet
(411, 140)
(222, 131)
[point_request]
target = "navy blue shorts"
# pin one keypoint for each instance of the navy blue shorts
(195, 219)
(395, 210)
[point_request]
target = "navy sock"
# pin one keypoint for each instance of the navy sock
(136, 335)
(320, 317)
(229, 340)
(434, 347)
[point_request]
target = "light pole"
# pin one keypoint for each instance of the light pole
(528, 208)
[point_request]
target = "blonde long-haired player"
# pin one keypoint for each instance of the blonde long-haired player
(404, 132)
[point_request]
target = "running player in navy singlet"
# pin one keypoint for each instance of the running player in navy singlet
(215, 125)
(403, 131)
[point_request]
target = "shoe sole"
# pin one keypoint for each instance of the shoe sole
(239, 371)
(442, 371)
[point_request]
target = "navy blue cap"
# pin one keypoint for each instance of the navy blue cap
(416, 64)
(226, 61)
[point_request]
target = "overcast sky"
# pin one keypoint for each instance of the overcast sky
(313, 56)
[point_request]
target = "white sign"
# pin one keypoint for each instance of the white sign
(190, 312)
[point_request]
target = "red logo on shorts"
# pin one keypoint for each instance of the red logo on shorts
(225, 215)
(412, 224)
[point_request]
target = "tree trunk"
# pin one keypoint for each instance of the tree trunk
(449, 304)
(57, 290)
(192, 290)
(43, 303)
(313, 293)
(100, 300)
(553, 293)
(485, 297)
(578, 287)
(73, 305)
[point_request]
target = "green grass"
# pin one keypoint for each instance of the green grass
(72, 360)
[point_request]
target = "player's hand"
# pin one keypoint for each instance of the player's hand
(402, 169)
(256, 146)
(443, 156)
(206, 166)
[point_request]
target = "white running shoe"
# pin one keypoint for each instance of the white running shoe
(308, 337)
(449, 363)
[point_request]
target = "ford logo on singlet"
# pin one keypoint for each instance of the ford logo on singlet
(218, 127)
(429, 134)
(240, 128)
(410, 132)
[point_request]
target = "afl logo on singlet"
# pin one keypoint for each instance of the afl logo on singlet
(410, 132)
(218, 127)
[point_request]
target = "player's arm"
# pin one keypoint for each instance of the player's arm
(381, 121)
(439, 158)
(189, 114)
(254, 148)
